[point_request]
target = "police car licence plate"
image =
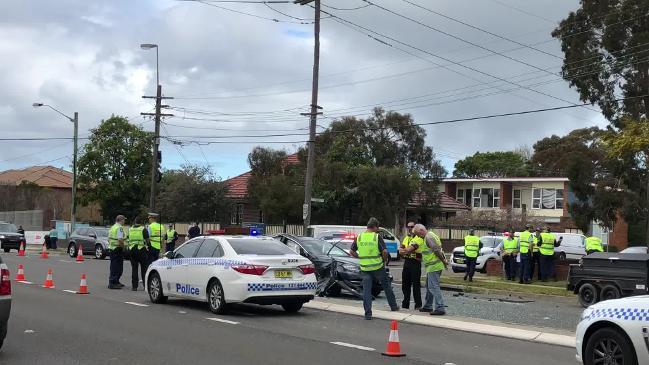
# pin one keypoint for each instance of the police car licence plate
(283, 274)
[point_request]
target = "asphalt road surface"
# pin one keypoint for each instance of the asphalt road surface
(53, 326)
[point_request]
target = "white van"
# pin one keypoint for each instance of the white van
(573, 246)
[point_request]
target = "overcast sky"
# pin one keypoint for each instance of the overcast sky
(251, 75)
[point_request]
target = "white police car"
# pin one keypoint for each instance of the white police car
(222, 270)
(615, 332)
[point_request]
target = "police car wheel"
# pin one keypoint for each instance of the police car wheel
(100, 253)
(292, 307)
(609, 346)
(588, 295)
(156, 293)
(216, 297)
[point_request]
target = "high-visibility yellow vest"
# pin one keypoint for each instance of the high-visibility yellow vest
(536, 244)
(525, 236)
(594, 244)
(136, 237)
(155, 234)
(524, 246)
(170, 234)
(547, 244)
(369, 254)
(113, 241)
(407, 241)
(432, 263)
(471, 246)
(510, 245)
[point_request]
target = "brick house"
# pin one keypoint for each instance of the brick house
(544, 198)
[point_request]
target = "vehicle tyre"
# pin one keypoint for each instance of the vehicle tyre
(154, 286)
(376, 290)
(100, 253)
(216, 297)
(292, 307)
(334, 290)
(562, 256)
(72, 250)
(7, 249)
(588, 295)
(3, 333)
(609, 346)
(609, 292)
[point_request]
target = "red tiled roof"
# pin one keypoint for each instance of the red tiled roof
(238, 185)
(445, 202)
(44, 176)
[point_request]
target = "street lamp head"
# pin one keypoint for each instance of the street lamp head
(148, 46)
(36, 105)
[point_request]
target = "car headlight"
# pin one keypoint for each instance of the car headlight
(2, 237)
(587, 313)
(351, 267)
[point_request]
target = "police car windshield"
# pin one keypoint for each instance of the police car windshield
(243, 246)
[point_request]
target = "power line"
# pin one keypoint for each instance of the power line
(525, 12)
(36, 153)
(345, 9)
(248, 14)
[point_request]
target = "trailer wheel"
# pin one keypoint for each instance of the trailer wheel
(610, 292)
(588, 295)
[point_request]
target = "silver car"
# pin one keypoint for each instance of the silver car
(94, 240)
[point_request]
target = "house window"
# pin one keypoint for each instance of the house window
(486, 198)
(547, 199)
(516, 200)
(261, 216)
(236, 216)
(460, 195)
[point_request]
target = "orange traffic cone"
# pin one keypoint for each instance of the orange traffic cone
(49, 282)
(21, 250)
(21, 273)
(80, 254)
(83, 286)
(394, 347)
(44, 254)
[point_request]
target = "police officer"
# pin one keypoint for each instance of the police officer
(116, 239)
(170, 237)
(510, 250)
(434, 263)
(593, 244)
(536, 255)
(138, 240)
(526, 249)
(155, 237)
(546, 249)
(411, 274)
(370, 249)
(472, 248)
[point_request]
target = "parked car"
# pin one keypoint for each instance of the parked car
(487, 252)
(5, 300)
(347, 234)
(573, 246)
(10, 239)
(635, 249)
(605, 276)
(330, 262)
(615, 332)
(94, 241)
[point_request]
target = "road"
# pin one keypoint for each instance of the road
(122, 327)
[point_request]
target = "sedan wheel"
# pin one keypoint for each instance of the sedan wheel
(72, 250)
(216, 298)
(100, 253)
(608, 346)
(156, 293)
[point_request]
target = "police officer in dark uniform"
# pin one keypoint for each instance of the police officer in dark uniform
(411, 274)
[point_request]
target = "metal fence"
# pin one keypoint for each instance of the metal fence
(273, 229)
(31, 220)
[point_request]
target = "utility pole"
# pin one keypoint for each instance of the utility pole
(310, 167)
(73, 219)
(156, 142)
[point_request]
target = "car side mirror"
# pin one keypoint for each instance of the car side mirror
(169, 255)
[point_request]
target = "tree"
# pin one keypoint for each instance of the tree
(606, 57)
(553, 155)
(114, 168)
(491, 164)
(192, 194)
(275, 185)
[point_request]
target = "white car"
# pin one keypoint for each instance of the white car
(222, 270)
(615, 332)
(487, 252)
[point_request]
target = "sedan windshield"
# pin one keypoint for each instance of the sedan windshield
(319, 247)
(102, 232)
(8, 227)
(246, 246)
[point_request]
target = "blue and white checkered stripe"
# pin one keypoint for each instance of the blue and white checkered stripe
(628, 314)
(256, 287)
(200, 261)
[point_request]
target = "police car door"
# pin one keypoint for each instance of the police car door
(205, 267)
(177, 271)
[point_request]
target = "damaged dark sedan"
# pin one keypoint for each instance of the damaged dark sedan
(335, 269)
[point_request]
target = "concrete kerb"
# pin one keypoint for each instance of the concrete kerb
(485, 329)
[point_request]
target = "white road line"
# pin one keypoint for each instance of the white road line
(69, 291)
(66, 261)
(25, 282)
(222, 320)
(137, 304)
(345, 344)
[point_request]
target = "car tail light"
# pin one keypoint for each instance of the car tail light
(350, 237)
(307, 269)
(250, 269)
(5, 282)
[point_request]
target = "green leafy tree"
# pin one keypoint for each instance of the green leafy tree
(604, 43)
(491, 164)
(115, 166)
(554, 155)
(192, 194)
